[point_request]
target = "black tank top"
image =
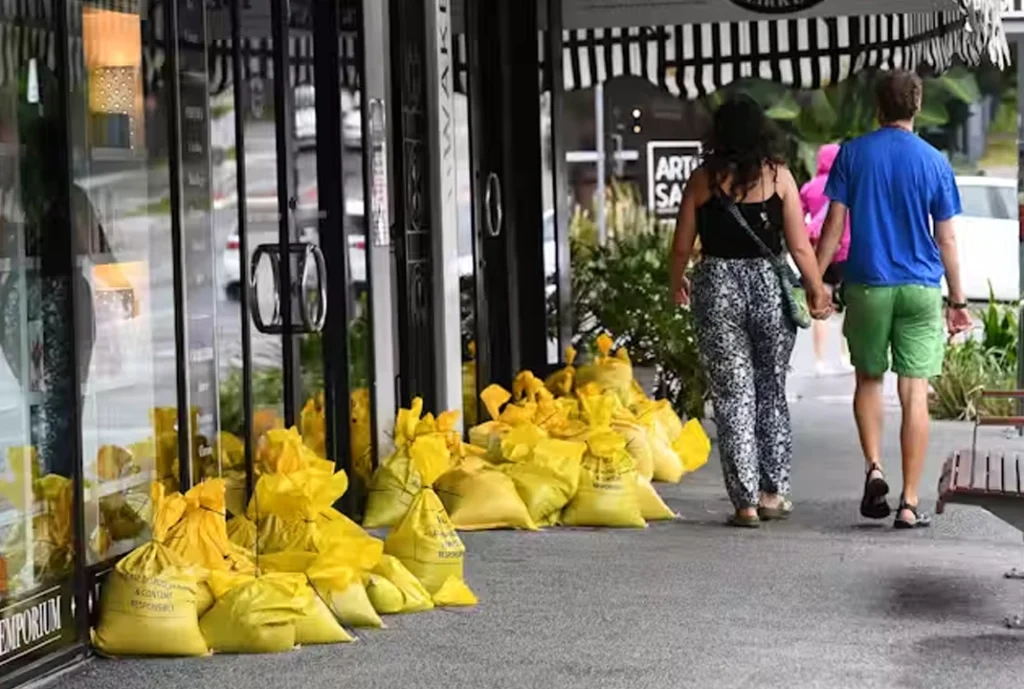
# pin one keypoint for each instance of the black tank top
(722, 237)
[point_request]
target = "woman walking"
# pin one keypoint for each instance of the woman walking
(741, 202)
(815, 204)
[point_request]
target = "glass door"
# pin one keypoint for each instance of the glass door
(296, 264)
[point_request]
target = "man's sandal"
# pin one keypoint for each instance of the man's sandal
(921, 518)
(873, 504)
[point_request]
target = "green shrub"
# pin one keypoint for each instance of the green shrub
(975, 365)
(622, 287)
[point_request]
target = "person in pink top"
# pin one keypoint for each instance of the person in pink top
(815, 204)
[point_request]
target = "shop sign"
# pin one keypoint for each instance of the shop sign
(379, 217)
(669, 166)
(776, 6)
(33, 622)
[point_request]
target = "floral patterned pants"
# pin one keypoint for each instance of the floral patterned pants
(745, 341)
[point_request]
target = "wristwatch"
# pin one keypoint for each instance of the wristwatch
(957, 305)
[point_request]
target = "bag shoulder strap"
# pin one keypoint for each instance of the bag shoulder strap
(777, 261)
(734, 211)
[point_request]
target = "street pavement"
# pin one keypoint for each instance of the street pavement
(824, 600)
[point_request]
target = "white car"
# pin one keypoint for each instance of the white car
(305, 116)
(466, 245)
(987, 237)
(355, 230)
(231, 270)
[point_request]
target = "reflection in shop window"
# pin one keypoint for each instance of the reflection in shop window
(37, 368)
(125, 297)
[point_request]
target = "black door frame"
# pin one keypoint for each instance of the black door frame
(504, 104)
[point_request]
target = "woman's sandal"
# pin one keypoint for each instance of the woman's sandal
(782, 510)
(874, 505)
(744, 521)
(921, 518)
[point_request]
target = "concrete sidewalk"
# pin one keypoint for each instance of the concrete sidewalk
(824, 600)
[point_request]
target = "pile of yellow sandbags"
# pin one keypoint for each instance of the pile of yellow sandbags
(290, 570)
(580, 449)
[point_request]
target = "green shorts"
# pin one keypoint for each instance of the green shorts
(906, 320)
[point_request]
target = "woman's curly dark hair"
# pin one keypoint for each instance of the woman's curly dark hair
(742, 140)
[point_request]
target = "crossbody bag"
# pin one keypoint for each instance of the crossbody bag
(794, 298)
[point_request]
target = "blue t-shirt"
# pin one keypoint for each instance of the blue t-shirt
(894, 183)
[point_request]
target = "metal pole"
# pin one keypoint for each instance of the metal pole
(1020, 206)
(602, 223)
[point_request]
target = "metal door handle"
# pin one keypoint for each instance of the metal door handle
(272, 252)
(314, 322)
(494, 211)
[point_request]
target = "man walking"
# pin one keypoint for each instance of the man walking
(895, 186)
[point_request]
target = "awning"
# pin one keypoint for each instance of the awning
(687, 60)
(692, 60)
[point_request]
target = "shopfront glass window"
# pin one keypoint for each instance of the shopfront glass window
(123, 271)
(37, 373)
(467, 264)
(354, 141)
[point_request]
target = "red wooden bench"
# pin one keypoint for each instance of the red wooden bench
(994, 482)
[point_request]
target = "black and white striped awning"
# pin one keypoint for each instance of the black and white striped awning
(688, 60)
(692, 60)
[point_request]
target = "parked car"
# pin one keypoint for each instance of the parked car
(305, 121)
(356, 233)
(987, 236)
(354, 230)
(305, 116)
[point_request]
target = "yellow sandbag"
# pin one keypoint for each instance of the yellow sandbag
(638, 445)
(319, 626)
(652, 507)
(201, 536)
(548, 479)
(386, 598)
(242, 532)
(561, 382)
(415, 598)
(289, 508)
(469, 387)
(338, 584)
(282, 451)
(518, 443)
(149, 601)
(494, 397)
(610, 373)
(231, 451)
(234, 491)
(693, 445)
(258, 616)
(348, 543)
(454, 593)
(341, 587)
(113, 462)
(396, 482)
(479, 497)
(361, 435)
(668, 419)
(53, 540)
(425, 540)
(607, 491)
(204, 598)
(314, 429)
(660, 422)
